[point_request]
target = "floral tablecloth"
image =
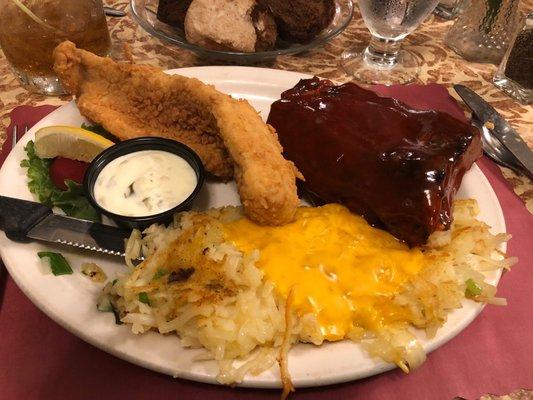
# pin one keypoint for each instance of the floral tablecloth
(441, 65)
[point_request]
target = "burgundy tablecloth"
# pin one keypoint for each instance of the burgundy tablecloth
(40, 360)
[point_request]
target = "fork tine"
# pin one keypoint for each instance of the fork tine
(14, 137)
(26, 129)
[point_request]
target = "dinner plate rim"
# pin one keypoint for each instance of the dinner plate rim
(237, 71)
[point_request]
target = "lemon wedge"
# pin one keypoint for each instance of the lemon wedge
(69, 142)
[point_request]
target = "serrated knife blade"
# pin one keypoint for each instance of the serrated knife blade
(22, 220)
(502, 129)
(81, 234)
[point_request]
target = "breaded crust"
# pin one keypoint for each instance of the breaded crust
(132, 100)
(230, 137)
(266, 181)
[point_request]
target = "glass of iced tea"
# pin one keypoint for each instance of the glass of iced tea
(31, 29)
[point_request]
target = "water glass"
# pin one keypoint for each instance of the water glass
(383, 61)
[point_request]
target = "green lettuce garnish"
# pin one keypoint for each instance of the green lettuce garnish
(38, 173)
(72, 201)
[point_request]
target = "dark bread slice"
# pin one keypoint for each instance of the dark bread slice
(300, 20)
(173, 12)
(265, 28)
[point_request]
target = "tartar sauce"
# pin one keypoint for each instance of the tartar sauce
(144, 183)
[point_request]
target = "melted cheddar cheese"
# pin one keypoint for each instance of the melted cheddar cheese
(343, 271)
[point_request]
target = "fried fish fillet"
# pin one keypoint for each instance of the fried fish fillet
(132, 100)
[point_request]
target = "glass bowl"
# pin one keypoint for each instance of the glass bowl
(144, 12)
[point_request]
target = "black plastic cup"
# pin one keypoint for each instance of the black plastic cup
(132, 146)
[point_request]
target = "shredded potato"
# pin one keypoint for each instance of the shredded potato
(285, 347)
(213, 296)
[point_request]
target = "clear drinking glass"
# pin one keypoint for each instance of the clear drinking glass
(483, 30)
(31, 29)
(448, 9)
(383, 61)
(515, 74)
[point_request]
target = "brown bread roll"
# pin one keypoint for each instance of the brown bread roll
(236, 25)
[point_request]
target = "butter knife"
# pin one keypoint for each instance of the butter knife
(501, 129)
(23, 220)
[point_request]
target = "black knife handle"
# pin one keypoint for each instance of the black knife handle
(17, 217)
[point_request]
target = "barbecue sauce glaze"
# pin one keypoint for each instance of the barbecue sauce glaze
(396, 166)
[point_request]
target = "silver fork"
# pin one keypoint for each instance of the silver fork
(15, 137)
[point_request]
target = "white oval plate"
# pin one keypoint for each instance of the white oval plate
(70, 299)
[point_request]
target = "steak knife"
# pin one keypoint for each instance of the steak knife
(23, 220)
(502, 130)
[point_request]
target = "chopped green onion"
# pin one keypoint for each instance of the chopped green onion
(114, 281)
(143, 298)
(116, 313)
(104, 304)
(58, 264)
(159, 273)
(472, 288)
